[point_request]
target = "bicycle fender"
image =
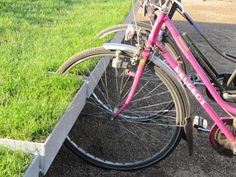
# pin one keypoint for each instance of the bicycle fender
(121, 47)
(186, 120)
(112, 29)
(162, 65)
(123, 27)
(177, 82)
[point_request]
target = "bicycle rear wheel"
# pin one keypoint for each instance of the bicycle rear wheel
(145, 133)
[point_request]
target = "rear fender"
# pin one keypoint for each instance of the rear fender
(123, 28)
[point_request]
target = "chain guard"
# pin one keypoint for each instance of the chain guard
(218, 140)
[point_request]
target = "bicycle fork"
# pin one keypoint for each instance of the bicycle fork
(145, 55)
(138, 75)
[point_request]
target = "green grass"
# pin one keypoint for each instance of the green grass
(13, 163)
(37, 36)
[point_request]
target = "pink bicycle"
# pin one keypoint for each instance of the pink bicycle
(138, 109)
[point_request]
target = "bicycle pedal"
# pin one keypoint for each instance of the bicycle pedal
(200, 123)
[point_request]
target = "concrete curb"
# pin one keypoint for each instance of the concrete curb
(33, 169)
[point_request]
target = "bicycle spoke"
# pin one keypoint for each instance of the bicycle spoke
(153, 123)
(146, 97)
(94, 80)
(142, 132)
(135, 135)
(105, 75)
(146, 111)
(149, 106)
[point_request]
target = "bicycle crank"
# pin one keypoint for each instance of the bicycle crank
(219, 141)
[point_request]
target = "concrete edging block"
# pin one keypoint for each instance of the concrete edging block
(45, 152)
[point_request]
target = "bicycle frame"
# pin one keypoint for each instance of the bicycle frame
(152, 41)
(206, 106)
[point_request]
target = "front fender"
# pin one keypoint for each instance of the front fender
(121, 47)
(186, 120)
(158, 62)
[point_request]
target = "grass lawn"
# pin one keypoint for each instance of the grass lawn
(37, 36)
(13, 163)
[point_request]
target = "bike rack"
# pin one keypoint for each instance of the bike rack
(45, 152)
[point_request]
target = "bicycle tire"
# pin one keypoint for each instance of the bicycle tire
(88, 151)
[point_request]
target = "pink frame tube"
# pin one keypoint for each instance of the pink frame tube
(206, 106)
(152, 40)
(197, 67)
(146, 53)
(136, 81)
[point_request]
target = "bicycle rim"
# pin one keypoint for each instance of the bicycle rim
(143, 134)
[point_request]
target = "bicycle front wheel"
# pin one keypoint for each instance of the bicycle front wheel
(145, 133)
